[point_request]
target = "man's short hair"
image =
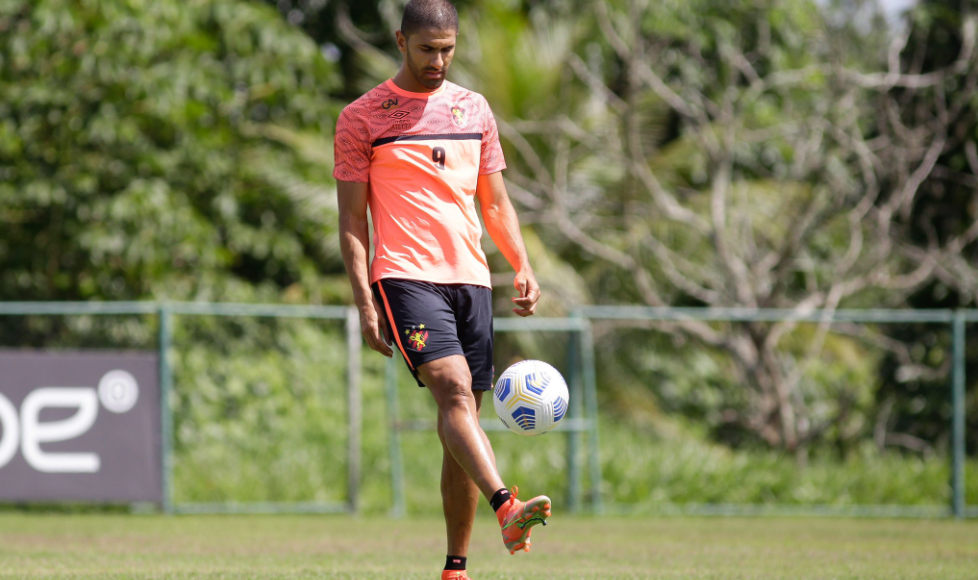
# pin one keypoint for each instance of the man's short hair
(429, 15)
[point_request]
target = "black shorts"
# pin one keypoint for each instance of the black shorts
(432, 321)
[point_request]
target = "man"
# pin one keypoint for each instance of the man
(419, 151)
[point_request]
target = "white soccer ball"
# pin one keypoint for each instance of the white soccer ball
(530, 397)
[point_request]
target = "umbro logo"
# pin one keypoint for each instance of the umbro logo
(399, 114)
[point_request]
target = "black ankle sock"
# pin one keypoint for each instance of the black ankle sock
(455, 563)
(499, 498)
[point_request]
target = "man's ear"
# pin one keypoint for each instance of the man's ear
(401, 41)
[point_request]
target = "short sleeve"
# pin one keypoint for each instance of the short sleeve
(351, 148)
(492, 160)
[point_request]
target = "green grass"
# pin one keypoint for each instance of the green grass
(289, 547)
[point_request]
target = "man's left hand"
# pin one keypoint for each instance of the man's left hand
(526, 285)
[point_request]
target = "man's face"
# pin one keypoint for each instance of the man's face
(428, 54)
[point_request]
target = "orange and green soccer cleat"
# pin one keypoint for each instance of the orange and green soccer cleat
(454, 575)
(516, 518)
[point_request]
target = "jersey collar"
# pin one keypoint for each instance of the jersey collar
(390, 85)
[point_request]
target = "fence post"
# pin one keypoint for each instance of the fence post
(576, 411)
(353, 345)
(591, 400)
(166, 416)
(397, 468)
(957, 421)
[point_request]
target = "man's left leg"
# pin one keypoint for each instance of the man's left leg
(460, 495)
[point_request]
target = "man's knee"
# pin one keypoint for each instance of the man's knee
(449, 381)
(453, 391)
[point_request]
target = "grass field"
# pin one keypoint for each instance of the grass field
(291, 547)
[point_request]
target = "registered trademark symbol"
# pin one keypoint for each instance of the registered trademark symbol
(118, 391)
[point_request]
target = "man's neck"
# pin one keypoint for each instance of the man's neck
(406, 81)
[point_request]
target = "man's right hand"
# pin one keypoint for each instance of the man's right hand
(374, 328)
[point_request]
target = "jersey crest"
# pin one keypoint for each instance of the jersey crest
(458, 115)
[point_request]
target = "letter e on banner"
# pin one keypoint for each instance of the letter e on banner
(35, 432)
(10, 429)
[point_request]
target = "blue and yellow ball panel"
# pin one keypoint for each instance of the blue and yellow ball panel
(503, 388)
(526, 418)
(560, 408)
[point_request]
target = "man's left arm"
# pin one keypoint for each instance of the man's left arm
(504, 229)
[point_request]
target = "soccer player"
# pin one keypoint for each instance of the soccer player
(419, 151)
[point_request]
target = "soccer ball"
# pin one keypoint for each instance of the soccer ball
(530, 397)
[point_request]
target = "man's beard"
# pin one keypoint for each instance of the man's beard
(420, 75)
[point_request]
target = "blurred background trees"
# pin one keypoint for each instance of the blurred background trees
(158, 149)
(793, 155)
(914, 401)
(687, 153)
(180, 151)
(712, 154)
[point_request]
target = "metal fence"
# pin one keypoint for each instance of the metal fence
(582, 381)
(165, 313)
(955, 319)
(583, 419)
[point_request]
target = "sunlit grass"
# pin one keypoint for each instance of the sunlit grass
(239, 547)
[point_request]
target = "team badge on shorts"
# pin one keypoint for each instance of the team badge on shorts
(458, 115)
(417, 337)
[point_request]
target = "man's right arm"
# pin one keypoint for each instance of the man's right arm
(355, 245)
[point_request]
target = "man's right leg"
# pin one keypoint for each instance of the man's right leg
(424, 328)
(449, 381)
(460, 496)
(450, 384)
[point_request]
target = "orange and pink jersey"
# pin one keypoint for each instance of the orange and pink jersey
(422, 154)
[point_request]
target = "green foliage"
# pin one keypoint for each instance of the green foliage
(680, 470)
(181, 150)
(653, 464)
(710, 153)
(945, 208)
(145, 149)
(259, 410)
